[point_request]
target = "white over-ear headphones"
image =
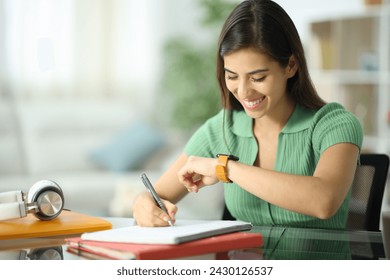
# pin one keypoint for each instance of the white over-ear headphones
(45, 200)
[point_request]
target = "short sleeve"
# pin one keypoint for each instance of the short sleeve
(334, 125)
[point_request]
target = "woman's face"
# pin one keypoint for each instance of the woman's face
(258, 82)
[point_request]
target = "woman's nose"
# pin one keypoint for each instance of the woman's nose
(243, 89)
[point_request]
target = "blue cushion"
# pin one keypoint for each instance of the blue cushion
(130, 149)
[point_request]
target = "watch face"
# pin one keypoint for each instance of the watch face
(219, 155)
(230, 157)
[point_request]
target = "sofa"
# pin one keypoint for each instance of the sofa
(96, 150)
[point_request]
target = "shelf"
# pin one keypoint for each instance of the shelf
(366, 13)
(349, 76)
(349, 62)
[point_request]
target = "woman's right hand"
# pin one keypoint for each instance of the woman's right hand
(147, 214)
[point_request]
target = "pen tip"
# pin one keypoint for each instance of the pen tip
(170, 223)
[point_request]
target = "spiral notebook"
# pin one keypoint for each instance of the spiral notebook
(182, 231)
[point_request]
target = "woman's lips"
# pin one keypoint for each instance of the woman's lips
(252, 104)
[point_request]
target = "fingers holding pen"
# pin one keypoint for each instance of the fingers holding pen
(171, 212)
(148, 214)
(156, 217)
(160, 218)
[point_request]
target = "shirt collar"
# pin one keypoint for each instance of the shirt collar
(242, 124)
(298, 121)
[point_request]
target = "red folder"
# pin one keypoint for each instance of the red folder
(120, 251)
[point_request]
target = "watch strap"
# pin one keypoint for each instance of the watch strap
(221, 167)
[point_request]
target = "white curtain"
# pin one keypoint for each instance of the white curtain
(79, 47)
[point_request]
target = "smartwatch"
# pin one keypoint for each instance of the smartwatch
(221, 167)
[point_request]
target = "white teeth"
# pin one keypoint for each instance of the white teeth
(253, 103)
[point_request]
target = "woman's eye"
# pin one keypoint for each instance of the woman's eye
(231, 77)
(258, 79)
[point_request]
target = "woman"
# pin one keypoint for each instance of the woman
(297, 154)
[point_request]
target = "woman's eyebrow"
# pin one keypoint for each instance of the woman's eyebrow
(230, 71)
(251, 72)
(258, 71)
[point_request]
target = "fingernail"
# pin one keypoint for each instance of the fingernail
(196, 178)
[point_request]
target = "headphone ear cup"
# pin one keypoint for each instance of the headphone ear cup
(48, 197)
(50, 204)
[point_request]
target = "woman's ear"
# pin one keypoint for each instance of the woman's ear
(292, 66)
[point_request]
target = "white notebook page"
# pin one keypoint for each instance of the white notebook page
(182, 231)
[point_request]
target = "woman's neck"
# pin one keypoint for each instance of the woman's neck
(275, 122)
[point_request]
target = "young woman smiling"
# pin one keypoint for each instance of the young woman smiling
(284, 155)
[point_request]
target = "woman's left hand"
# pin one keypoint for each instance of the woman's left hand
(197, 173)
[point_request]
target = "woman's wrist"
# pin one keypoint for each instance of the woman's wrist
(231, 166)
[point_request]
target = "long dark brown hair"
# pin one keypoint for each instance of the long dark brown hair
(265, 25)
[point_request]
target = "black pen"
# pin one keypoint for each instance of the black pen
(157, 199)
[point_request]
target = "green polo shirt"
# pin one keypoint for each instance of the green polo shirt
(306, 135)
